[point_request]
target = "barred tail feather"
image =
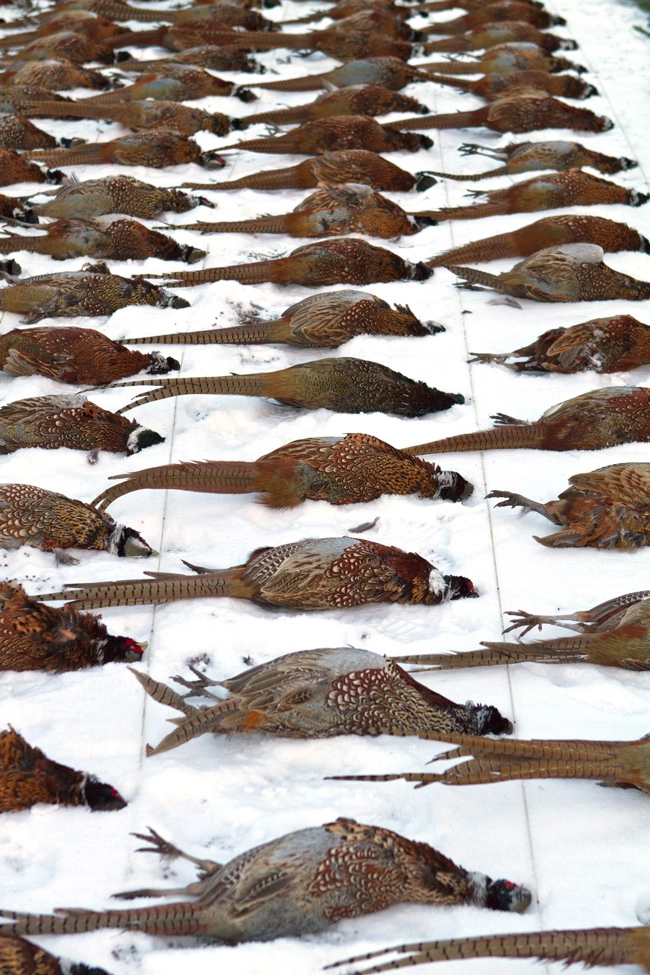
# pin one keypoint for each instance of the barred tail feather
(451, 120)
(252, 385)
(489, 249)
(509, 437)
(168, 919)
(204, 477)
(250, 333)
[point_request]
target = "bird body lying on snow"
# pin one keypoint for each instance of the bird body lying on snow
(615, 344)
(93, 291)
(566, 228)
(70, 421)
(570, 272)
(592, 421)
(622, 764)
(56, 75)
(333, 169)
(34, 636)
(516, 113)
(158, 148)
(528, 157)
(504, 59)
(485, 36)
(329, 212)
(319, 694)
(317, 573)
(388, 72)
(120, 239)
(20, 133)
(142, 114)
(209, 56)
(28, 776)
(50, 521)
(347, 260)
(297, 884)
(591, 946)
(495, 86)
(173, 83)
(14, 168)
(322, 321)
(344, 385)
(368, 100)
(116, 194)
(341, 470)
(573, 188)
(82, 356)
(330, 135)
(21, 957)
(492, 13)
(615, 633)
(606, 508)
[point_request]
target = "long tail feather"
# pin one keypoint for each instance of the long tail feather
(165, 587)
(250, 333)
(167, 919)
(509, 437)
(451, 120)
(204, 477)
(251, 385)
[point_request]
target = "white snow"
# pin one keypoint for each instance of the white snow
(583, 851)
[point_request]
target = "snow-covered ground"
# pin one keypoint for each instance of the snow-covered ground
(583, 851)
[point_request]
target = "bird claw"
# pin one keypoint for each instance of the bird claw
(526, 621)
(158, 845)
(198, 687)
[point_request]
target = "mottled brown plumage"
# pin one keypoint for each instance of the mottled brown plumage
(70, 421)
(348, 260)
(23, 99)
(335, 134)
(527, 157)
(297, 884)
(606, 508)
(91, 292)
(158, 148)
(589, 946)
(322, 321)
(82, 22)
(390, 73)
(570, 272)
(202, 56)
(174, 83)
(120, 239)
(49, 521)
(71, 45)
(20, 957)
(34, 636)
(14, 168)
(82, 356)
(342, 41)
(116, 194)
(331, 168)
(138, 115)
(592, 421)
(344, 385)
(19, 133)
(340, 470)
(368, 100)
(28, 776)
(495, 86)
(550, 192)
(615, 344)
(515, 113)
(319, 694)
(567, 228)
(314, 574)
(504, 59)
(329, 212)
(492, 13)
(502, 32)
(59, 75)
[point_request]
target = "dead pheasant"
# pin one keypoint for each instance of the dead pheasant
(502, 32)
(174, 83)
(504, 59)
(390, 73)
(116, 194)
(82, 356)
(61, 75)
(90, 292)
(67, 44)
(119, 239)
(20, 957)
(322, 321)
(368, 100)
(347, 8)
(495, 86)
(528, 157)
(347, 260)
(70, 421)
(606, 508)
(317, 573)
(592, 421)
(516, 113)
(209, 56)
(28, 776)
(570, 272)
(84, 23)
(550, 192)
(615, 633)
(158, 148)
(343, 385)
(329, 212)
(14, 168)
(310, 878)
(34, 636)
(334, 134)
(319, 694)
(590, 946)
(51, 522)
(622, 764)
(24, 99)
(492, 13)
(331, 168)
(341, 470)
(19, 133)
(14, 209)
(139, 115)
(566, 228)
(615, 344)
